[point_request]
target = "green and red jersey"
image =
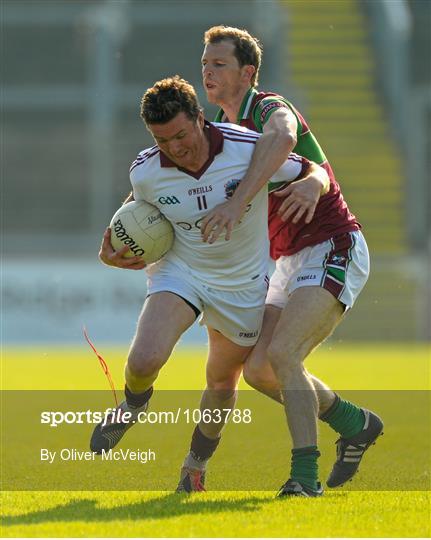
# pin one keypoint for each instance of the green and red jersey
(332, 216)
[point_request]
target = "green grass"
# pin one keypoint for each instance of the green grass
(236, 513)
(358, 366)
(216, 514)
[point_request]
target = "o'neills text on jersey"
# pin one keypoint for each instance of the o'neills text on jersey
(200, 190)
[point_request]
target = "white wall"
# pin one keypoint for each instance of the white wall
(50, 301)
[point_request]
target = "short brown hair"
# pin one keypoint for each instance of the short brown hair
(248, 49)
(167, 98)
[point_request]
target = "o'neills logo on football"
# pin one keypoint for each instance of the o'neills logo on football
(121, 234)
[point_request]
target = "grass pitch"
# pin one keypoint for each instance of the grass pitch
(218, 513)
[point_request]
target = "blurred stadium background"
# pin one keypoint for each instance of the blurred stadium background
(73, 72)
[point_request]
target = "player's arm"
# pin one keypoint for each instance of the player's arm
(110, 257)
(117, 259)
(292, 206)
(272, 149)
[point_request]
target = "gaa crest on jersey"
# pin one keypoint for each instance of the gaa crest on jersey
(230, 187)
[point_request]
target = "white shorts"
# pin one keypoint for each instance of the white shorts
(340, 265)
(235, 314)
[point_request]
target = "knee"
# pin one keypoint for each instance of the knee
(285, 359)
(222, 389)
(256, 375)
(142, 364)
(220, 393)
(251, 375)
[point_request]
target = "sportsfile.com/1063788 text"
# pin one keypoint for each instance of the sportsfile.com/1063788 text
(189, 416)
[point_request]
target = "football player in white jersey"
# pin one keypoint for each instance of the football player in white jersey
(194, 166)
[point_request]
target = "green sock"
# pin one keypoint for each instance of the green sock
(304, 467)
(344, 417)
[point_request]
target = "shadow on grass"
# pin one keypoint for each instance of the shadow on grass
(167, 506)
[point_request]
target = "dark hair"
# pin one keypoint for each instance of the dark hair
(167, 98)
(248, 49)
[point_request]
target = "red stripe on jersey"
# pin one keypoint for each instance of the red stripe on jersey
(250, 141)
(297, 157)
(145, 153)
(144, 157)
(304, 168)
(231, 131)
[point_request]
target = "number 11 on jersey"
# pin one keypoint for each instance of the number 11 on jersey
(202, 202)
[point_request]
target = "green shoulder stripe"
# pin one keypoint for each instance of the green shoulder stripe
(219, 115)
(308, 147)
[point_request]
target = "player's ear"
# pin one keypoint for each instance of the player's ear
(248, 71)
(201, 119)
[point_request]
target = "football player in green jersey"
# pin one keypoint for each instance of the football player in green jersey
(321, 262)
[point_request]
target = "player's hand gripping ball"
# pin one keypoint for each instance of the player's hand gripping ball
(144, 229)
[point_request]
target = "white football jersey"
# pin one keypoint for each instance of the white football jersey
(185, 198)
